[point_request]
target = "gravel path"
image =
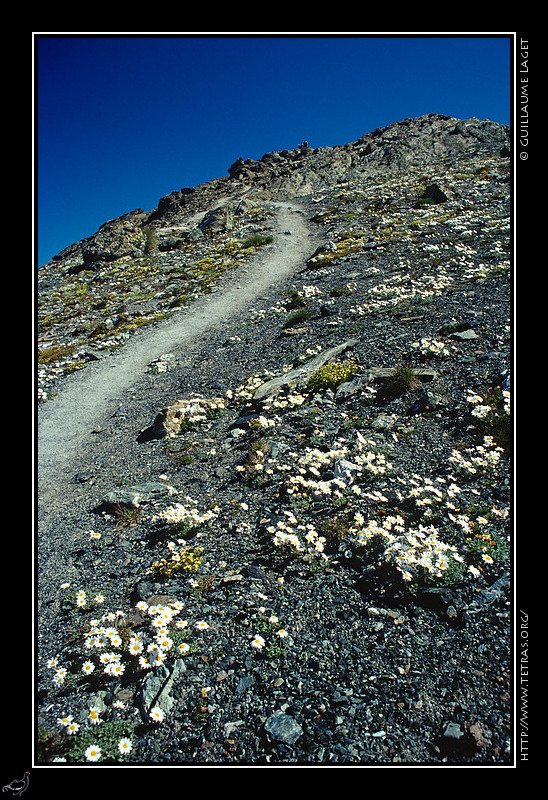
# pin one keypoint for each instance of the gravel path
(65, 422)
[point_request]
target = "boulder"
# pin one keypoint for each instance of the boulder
(293, 377)
(218, 219)
(434, 194)
(140, 493)
(116, 238)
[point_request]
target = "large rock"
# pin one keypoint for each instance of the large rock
(298, 374)
(218, 219)
(155, 690)
(171, 419)
(117, 238)
(140, 493)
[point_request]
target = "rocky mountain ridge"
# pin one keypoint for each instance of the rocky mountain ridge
(138, 267)
(409, 144)
(305, 491)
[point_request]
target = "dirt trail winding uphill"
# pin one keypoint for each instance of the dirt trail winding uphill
(66, 421)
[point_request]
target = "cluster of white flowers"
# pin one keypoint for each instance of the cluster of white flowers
(399, 288)
(246, 390)
(316, 462)
(199, 409)
(483, 457)
(421, 548)
(290, 400)
(299, 537)
(189, 412)
(188, 514)
(124, 745)
(432, 347)
(308, 291)
(480, 409)
(409, 550)
(83, 600)
(373, 463)
(258, 642)
(262, 422)
(105, 647)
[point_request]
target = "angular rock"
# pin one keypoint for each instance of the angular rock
(116, 238)
(294, 376)
(283, 728)
(219, 219)
(156, 688)
(169, 420)
(463, 336)
(434, 194)
(383, 373)
(350, 388)
(140, 493)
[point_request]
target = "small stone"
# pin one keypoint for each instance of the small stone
(384, 422)
(283, 728)
(246, 682)
(453, 731)
(480, 734)
(464, 335)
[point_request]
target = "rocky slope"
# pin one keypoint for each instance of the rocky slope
(294, 503)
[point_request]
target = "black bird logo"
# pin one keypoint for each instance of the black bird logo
(17, 787)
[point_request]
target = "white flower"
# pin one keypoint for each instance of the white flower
(60, 676)
(115, 669)
(135, 647)
(72, 728)
(165, 642)
(124, 746)
(481, 411)
(93, 753)
(156, 714)
(257, 643)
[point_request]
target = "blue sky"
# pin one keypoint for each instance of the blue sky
(121, 121)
